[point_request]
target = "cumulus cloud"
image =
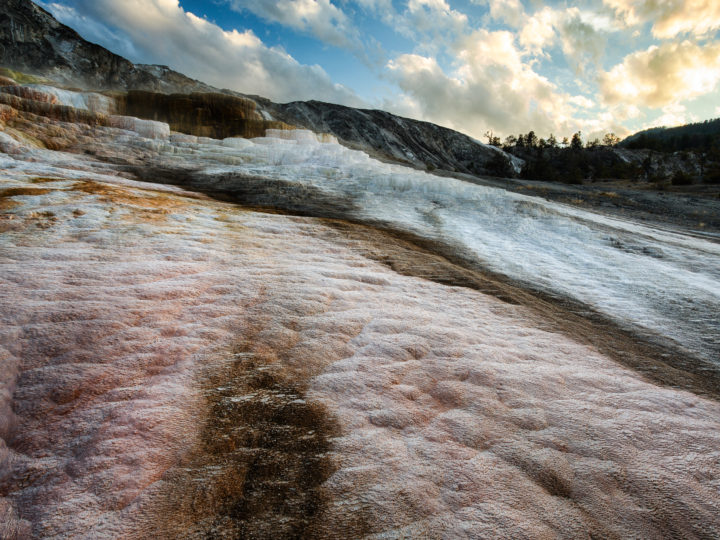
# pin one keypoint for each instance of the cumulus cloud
(320, 18)
(490, 88)
(432, 23)
(492, 83)
(509, 11)
(672, 115)
(581, 40)
(538, 32)
(162, 32)
(663, 75)
(669, 17)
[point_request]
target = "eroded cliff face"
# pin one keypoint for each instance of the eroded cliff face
(176, 366)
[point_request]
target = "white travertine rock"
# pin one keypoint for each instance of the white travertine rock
(663, 282)
(9, 145)
(300, 136)
(149, 129)
(237, 142)
(274, 141)
(183, 138)
(89, 101)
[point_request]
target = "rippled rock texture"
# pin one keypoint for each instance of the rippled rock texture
(174, 366)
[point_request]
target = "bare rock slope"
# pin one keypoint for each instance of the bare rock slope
(394, 137)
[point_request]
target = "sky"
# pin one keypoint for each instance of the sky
(477, 66)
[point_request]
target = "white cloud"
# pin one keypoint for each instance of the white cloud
(582, 42)
(539, 31)
(672, 115)
(509, 11)
(582, 101)
(669, 17)
(582, 35)
(490, 88)
(162, 32)
(320, 18)
(608, 120)
(626, 112)
(433, 24)
(663, 75)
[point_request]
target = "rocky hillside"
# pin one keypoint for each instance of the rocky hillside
(400, 139)
(32, 41)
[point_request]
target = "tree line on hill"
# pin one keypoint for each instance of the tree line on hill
(698, 136)
(685, 155)
(568, 160)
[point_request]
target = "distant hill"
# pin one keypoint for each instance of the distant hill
(698, 136)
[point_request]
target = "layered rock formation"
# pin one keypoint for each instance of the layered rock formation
(176, 366)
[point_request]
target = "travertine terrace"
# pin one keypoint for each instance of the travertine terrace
(178, 366)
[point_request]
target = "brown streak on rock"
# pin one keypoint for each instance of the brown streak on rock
(22, 191)
(152, 208)
(264, 453)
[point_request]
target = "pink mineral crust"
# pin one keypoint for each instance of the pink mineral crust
(457, 415)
